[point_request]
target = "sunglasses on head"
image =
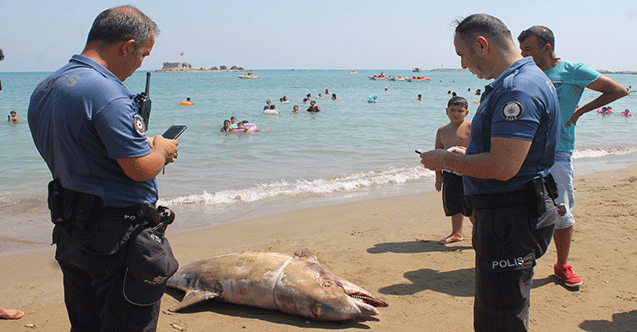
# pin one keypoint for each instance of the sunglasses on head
(526, 33)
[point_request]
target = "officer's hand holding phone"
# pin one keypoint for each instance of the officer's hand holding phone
(173, 133)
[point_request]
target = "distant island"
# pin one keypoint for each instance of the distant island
(180, 67)
(606, 71)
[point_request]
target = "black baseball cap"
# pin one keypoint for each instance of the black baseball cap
(150, 263)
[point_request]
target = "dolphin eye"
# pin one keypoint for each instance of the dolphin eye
(218, 288)
(327, 284)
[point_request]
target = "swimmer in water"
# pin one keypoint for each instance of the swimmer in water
(226, 126)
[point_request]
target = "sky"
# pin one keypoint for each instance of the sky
(41, 35)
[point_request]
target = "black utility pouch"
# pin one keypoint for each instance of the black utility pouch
(87, 209)
(55, 202)
(551, 187)
(535, 193)
(72, 207)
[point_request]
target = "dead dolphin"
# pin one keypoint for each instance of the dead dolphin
(296, 285)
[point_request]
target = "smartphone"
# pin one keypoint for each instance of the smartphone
(418, 152)
(174, 131)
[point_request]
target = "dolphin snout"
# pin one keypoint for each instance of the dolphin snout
(368, 299)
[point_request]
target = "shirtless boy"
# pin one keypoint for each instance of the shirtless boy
(455, 133)
(13, 117)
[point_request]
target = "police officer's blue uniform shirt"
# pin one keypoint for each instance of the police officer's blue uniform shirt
(520, 104)
(82, 118)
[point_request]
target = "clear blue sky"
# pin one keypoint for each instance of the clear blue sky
(322, 34)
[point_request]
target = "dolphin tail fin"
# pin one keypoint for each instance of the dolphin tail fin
(193, 297)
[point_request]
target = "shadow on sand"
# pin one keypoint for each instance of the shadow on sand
(276, 317)
(623, 321)
(555, 280)
(455, 283)
(414, 247)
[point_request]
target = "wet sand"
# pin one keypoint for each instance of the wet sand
(389, 247)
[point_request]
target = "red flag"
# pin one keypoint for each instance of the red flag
(182, 53)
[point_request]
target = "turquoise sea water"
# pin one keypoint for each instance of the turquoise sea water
(352, 149)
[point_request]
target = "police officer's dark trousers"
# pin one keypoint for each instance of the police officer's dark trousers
(93, 279)
(507, 241)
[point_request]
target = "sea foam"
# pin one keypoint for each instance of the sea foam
(302, 188)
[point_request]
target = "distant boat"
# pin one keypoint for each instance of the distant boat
(416, 70)
(248, 75)
(352, 71)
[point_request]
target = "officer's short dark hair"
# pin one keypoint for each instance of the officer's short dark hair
(455, 101)
(123, 23)
(543, 33)
(469, 28)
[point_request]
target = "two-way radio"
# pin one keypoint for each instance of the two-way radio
(143, 100)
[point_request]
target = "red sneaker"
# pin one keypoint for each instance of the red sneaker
(567, 275)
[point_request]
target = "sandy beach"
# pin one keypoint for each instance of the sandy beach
(389, 247)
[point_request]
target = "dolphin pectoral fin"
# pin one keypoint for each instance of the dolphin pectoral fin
(193, 297)
(306, 253)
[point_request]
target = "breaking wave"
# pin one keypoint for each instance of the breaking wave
(300, 188)
(603, 152)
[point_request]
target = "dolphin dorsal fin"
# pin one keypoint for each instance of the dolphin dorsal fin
(193, 297)
(306, 253)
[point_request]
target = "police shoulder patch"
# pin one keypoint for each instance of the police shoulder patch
(512, 110)
(140, 126)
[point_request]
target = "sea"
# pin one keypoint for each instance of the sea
(352, 150)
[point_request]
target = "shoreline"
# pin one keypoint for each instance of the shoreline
(32, 234)
(389, 247)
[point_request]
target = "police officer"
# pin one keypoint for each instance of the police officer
(86, 126)
(512, 147)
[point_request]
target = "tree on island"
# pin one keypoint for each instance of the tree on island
(214, 68)
(223, 67)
